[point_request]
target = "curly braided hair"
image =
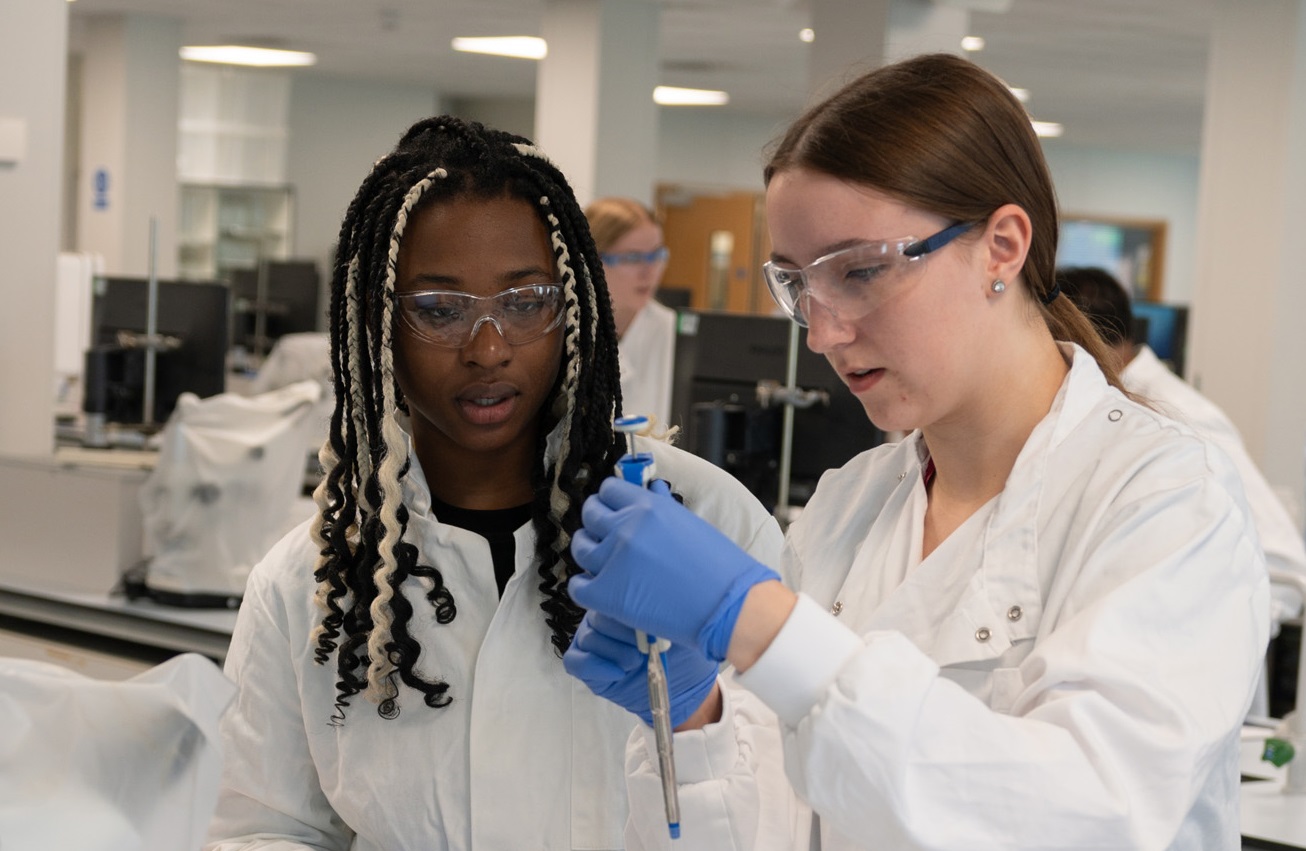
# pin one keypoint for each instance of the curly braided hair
(360, 526)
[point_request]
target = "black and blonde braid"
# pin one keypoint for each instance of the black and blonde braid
(360, 527)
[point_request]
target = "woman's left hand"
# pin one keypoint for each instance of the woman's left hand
(605, 656)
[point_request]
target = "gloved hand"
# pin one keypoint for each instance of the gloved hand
(605, 657)
(654, 565)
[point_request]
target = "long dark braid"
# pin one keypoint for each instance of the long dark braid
(363, 558)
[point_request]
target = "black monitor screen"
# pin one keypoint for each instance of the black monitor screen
(290, 305)
(720, 360)
(195, 313)
(1167, 330)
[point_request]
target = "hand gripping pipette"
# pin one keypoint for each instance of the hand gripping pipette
(637, 467)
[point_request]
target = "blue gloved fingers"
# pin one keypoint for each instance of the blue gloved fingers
(611, 628)
(595, 516)
(583, 547)
(654, 565)
(597, 658)
(578, 587)
(661, 486)
(618, 494)
(603, 656)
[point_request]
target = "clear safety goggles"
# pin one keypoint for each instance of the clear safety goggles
(852, 283)
(451, 319)
(637, 258)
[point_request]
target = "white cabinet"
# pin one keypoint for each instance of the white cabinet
(227, 228)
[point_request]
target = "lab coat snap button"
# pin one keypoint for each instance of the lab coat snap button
(902, 476)
(836, 608)
(982, 634)
(1115, 416)
(1014, 613)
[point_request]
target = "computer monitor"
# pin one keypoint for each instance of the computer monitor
(291, 305)
(720, 360)
(195, 313)
(1167, 330)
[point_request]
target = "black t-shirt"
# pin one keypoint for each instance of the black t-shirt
(495, 525)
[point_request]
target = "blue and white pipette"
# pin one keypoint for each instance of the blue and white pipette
(638, 468)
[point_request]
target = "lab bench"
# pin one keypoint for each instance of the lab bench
(105, 634)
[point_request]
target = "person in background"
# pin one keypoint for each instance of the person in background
(397, 657)
(1036, 621)
(629, 240)
(1106, 302)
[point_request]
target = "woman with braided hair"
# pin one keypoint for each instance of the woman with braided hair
(398, 657)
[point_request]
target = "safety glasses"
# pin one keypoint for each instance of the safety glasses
(637, 258)
(850, 284)
(451, 319)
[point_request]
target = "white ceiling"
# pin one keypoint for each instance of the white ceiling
(1126, 74)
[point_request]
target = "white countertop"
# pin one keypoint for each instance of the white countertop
(206, 631)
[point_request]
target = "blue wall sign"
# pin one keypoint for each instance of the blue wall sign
(101, 184)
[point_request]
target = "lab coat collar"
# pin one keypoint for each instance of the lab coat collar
(1003, 600)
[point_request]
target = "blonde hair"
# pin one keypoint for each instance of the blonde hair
(613, 217)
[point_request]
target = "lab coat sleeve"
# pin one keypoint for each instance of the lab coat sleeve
(1280, 538)
(1124, 707)
(271, 797)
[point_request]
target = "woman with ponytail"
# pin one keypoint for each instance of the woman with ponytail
(398, 657)
(1036, 622)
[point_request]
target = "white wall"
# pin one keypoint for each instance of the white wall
(33, 49)
(702, 146)
(338, 129)
(1135, 186)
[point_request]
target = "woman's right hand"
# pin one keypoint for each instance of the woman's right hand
(654, 565)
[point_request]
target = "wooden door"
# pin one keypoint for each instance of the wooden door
(718, 242)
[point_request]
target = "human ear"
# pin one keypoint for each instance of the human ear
(1007, 238)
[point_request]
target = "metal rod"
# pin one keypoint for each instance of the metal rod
(787, 429)
(151, 326)
(260, 308)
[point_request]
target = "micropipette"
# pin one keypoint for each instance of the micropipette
(638, 468)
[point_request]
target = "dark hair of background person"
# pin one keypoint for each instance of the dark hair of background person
(361, 520)
(944, 136)
(1103, 299)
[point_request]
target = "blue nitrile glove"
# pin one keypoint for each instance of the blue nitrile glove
(604, 656)
(654, 565)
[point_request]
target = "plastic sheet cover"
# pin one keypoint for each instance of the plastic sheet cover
(229, 471)
(97, 765)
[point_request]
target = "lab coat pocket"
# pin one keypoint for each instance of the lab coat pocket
(598, 771)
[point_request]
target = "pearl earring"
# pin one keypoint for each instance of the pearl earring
(998, 286)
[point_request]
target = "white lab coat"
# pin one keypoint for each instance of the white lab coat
(525, 756)
(1282, 541)
(646, 358)
(1069, 669)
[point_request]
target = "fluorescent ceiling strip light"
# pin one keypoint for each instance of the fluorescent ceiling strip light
(807, 34)
(516, 46)
(972, 43)
(262, 57)
(672, 96)
(1048, 129)
(1022, 95)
